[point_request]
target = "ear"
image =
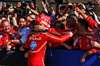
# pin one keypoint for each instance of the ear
(83, 28)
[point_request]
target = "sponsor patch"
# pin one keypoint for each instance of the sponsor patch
(33, 45)
(0, 36)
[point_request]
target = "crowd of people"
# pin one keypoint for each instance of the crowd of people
(74, 27)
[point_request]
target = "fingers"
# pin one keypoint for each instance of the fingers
(22, 49)
(8, 48)
(82, 60)
(26, 55)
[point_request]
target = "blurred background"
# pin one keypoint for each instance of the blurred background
(97, 6)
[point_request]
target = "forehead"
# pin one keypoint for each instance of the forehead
(6, 23)
(71, 19)
(32, 15)
(21, 19)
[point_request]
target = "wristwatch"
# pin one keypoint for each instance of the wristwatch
(46, 29)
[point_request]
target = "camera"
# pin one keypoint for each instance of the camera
(7, 6)
(34, 2)
(59, 1)
(70, 6)
(90, 9)
(91, 6)
(23, 11)
(23, 5)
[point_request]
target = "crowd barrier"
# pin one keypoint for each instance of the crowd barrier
(63, 57)
(53, 57)
(12, 58)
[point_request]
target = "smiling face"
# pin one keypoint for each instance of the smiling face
(22, 22)
(70, 22)
(6, 26)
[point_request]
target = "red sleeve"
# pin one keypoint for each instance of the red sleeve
(75, 44)
(95, 50)
(93, 24)
(27, 44)
(53, 31)
(13, 31)
(56, 39)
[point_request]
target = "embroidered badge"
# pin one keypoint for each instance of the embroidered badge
(87, 40)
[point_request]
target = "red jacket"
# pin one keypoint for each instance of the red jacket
(93, 24)
(37, 44)
(4, 38)
(84, 42)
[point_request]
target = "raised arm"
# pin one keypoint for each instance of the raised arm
(32, 10)
(90, 52)
(44, 6)
(56, 39)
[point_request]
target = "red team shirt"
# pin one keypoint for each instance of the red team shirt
(4, 38)
(93, 24)
(37, 44)
(84, 42)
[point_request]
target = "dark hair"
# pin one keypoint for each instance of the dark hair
(32, 23)
(35, 15)
(62, 7)
(5, 16)
(45, 13)
(0, 16)
(22, 17)
(84, 23)
(61, 24)
(5, 21)
(73, 16)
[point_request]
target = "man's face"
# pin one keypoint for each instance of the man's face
(6, 27)
(32, 17)
(57, 26)
(22, 22)
(4, 5)
(70, 22)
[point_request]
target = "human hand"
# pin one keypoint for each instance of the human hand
(77, 9)
(95, 44)
(26, 54)
(21, 48)
(8, 46)
(27, 7)
(82, 60)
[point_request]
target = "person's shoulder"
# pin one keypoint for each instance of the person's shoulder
(30, 34)
(27, 28)
(13, 31)
(1, 32)
(1, 29)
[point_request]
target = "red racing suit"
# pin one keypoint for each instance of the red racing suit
(84, 43)
(37, 44)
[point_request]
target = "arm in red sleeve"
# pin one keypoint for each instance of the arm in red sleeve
(92, 23)
(55, 39)
(53, 31)
(27, 44)
(95, 50)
